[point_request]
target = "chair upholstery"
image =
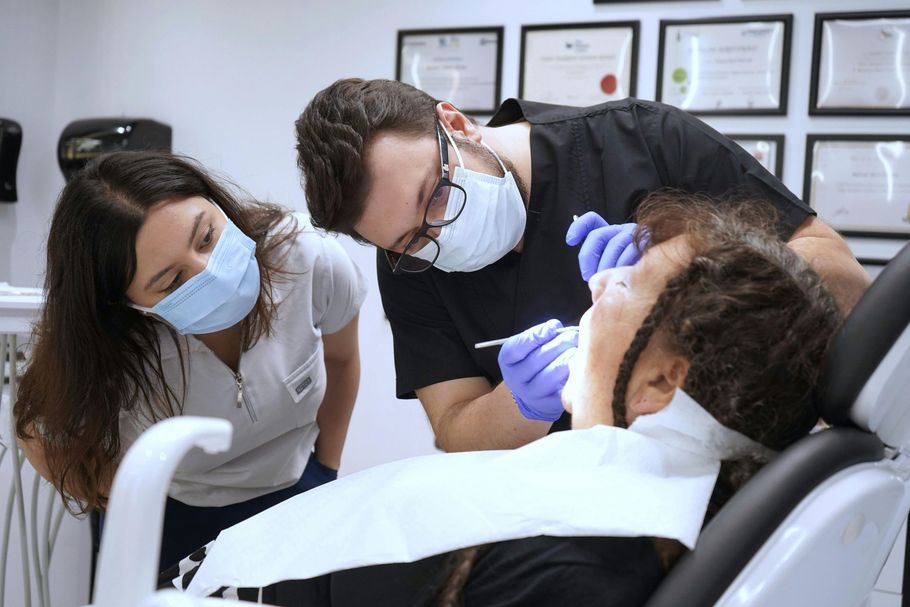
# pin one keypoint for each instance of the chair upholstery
(866, 389)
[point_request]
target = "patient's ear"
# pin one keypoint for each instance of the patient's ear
(656, 378)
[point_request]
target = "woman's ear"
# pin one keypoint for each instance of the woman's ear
(657, 382)
(456, 122)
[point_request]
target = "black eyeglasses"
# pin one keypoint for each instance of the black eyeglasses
(445, 205)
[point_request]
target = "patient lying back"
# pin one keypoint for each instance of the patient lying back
(719, 307)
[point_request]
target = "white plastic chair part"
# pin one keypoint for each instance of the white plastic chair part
(881, 407)
(852, 519)
(39, 546)
(9, 344)
(131, 541)
(174, 598)
(36, 555)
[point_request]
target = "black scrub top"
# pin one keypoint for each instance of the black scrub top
(545, 571)
(604, 158)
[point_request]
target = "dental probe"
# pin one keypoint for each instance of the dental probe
(499, 342)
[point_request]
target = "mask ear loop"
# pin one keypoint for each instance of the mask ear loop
(143, 309)
(505, 171)
(218, 206)
(454, 147)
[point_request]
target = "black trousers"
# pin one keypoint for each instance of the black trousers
(187, 528)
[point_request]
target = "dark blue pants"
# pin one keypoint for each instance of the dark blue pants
(187, 528)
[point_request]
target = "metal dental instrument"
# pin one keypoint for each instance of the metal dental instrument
(499, 342)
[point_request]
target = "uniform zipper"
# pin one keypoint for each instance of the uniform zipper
(238, 379)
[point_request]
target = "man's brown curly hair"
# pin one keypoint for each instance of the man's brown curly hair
(333, 133)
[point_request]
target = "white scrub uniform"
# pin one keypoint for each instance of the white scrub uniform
(283, 380)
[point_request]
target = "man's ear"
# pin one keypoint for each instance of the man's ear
(657, 386)
(456, 122)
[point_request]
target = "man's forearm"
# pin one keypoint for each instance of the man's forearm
(491, 421)
(843, 275)
(832, 259)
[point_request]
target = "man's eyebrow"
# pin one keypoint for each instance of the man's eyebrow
(402, 240)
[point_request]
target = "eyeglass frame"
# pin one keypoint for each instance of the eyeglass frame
(425, 226)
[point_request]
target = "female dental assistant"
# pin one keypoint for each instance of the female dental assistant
(167, 296)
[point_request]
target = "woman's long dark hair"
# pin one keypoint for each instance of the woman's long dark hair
(752, 318)
(93, 356)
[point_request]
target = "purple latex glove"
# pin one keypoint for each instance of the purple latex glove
(603, 245)
(535, 367)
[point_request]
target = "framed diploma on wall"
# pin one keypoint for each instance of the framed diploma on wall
(463, 66)
(860, 184)
(766, 149)
(861, 64)
(578, 63)
(727, 66)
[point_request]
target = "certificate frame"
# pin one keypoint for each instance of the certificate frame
(628, 1)
(494, 30)
(846, 110)
(870, 231)
(778, 169)
(785, 19)
(529, 30)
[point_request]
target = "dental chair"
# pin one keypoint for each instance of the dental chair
(815, 526)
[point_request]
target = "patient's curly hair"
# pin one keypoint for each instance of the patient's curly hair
(333, 133)
(752, 318)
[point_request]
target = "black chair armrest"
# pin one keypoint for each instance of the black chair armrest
(742, 526)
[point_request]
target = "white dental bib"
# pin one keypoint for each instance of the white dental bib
(653, 479)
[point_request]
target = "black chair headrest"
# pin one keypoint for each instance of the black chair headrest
(868, 335)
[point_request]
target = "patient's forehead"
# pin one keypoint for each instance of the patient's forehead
(667, 258)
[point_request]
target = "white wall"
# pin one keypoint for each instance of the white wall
(231, 76)
(28, 58)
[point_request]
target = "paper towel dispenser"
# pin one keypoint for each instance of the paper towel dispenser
(83, 140)
(10, 144)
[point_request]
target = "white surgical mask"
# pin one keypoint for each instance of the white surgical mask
(491, 224)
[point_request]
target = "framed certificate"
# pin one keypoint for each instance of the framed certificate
(578, 63)
(861, 64)
(766, 149)
(462, 66)
(860, 184)
(732, 66)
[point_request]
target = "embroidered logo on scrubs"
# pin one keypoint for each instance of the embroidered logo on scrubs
(303, 385)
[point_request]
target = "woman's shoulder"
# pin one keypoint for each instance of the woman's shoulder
(310, 248)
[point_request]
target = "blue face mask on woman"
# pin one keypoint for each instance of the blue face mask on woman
(219, 296)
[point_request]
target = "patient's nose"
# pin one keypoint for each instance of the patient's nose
(605, 278)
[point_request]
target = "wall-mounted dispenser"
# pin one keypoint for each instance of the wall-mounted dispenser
(10, 144)
(83, 140)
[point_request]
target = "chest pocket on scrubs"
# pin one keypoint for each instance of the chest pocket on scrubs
(306, 386)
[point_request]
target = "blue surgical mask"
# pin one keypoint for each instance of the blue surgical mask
(219, 296)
